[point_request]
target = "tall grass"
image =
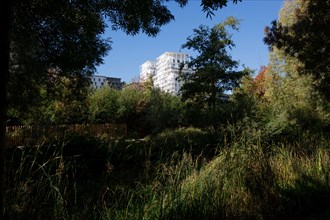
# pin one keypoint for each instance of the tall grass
(36, 185)
(50, 181)
(169, 176)
(246, 180)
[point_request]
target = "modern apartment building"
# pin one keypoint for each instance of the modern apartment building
(98, 81)
(165, 71)
(115, 83)
(101, 81)
(147, 70)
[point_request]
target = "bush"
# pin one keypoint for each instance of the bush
(192, 140)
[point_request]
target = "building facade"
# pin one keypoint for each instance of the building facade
(101, 81)
(165, 71)
(98, 81)
(115, 83)
(147, 70)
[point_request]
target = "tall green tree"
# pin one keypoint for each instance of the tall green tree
(306, 39)
(294, 101)
(215, 72)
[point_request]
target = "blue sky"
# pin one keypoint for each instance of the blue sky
(129, 52)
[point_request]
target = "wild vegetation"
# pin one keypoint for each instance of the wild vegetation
(231, 146)
(178, 174)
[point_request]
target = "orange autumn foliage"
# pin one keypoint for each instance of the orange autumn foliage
(259, 82)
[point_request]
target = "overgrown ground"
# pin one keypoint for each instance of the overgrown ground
(178, 174)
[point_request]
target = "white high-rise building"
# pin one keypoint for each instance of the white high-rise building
(165, 71)
(147, 69)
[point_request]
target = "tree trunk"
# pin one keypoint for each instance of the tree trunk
(6, 10)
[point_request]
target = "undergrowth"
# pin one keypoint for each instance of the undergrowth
(181, 174)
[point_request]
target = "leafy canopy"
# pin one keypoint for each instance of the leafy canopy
(214, 69)
(306, 39)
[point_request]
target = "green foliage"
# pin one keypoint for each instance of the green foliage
(52, 37)
(66, 99)
(215, 70)
(303, 36)
(194, 116)
(210, 6)
(294, 103)
(164, 111)
(64, 102)
(133, 17)
(245, 103)
(282, 99)
(103, 105)
(144, 111)
(132, 110)
(192, 140)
